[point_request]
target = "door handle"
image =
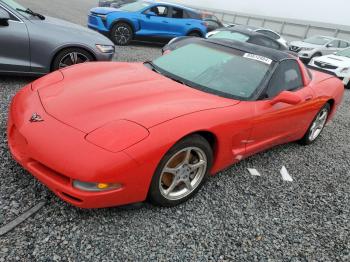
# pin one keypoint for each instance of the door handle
(165, 22)
(188, 24)
(308, 98)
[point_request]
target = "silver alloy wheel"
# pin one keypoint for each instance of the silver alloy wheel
(122, 35)
(318, 124)
(72, 59)
(183, 173)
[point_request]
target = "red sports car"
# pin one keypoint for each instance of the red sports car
(107, 134)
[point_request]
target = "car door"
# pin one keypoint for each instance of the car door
(155, 21)
(178, 22)
(331, 47)
(274, 124)
(14, 45)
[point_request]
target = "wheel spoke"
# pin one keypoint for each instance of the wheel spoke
(73, 57)
(188, 184)
(198, 165)
(170, 170)
(174, 183)
(187, 157)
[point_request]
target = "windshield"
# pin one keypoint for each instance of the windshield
(214, 69)
(16, 6)
(345, 53)
(231, 35)
(134, 7)
(318, 40)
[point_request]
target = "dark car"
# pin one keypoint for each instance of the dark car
(233, 35)
(114, 3)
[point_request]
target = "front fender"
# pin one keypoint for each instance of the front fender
(131, 20)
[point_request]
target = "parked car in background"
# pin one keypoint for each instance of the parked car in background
(114, 3)
(31, 43)
(317, 46)
(260, 30)
(145, 19)
(130, 131)
(229, 34)
(337, 63)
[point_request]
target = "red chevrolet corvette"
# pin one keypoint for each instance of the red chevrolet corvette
(107, 134)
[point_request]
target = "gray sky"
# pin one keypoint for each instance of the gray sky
(335, 11)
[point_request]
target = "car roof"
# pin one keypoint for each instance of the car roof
(273, 54)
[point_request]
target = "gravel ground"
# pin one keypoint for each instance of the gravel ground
(234, 217)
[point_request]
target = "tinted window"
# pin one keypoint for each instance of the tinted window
(287, 77)
(177, 13)
(215, 69)
(343, 44)
(159, 10)
(318, 40)
(133, 7)
(231, 35)
(269, 33)
(335, 43)
(264, 41)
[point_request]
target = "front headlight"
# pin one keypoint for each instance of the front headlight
(345, 70)
(103, 17)
(105, 48)
(118, 135)
(95, 187)
(307, 48)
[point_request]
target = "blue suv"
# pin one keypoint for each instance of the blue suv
(145, 19)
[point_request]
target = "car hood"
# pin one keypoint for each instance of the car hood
(304, 44)
(51, 24)
(105, 10)
(334, 60)
(94, 94)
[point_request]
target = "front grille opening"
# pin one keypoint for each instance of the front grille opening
(48, 172)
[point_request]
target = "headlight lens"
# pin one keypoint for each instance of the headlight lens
(105, 48)
(345, 70)
(307, 48)
(95, 187)
(103, 17)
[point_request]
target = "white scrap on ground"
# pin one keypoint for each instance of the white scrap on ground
(285, 174)
(254, 172)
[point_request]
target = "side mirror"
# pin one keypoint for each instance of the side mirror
(286, 97)
(330, 45)
(149, 14)
(4, 18)
(335, 53)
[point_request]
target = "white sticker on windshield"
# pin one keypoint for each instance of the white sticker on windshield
(258, 58)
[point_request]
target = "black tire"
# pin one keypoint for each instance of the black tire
(194, 34)
(348, 86)
(65, 58)
(307, 139)
(121, 34)
(194, 142)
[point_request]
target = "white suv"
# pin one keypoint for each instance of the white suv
(338, 64)
(317, 46)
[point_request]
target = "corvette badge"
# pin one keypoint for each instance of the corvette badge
(36, 118)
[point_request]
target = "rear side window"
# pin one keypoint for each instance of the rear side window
(287, 77)
(265, 41)
(177, 13)
(231, 35)
(269, 33)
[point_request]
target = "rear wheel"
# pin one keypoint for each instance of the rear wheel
(181, 172)
(71, 56)
(122, 34)
(316, 126)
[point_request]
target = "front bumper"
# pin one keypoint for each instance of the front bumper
(57, 154)
(96, 23)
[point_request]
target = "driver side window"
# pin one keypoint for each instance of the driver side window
(159, 10)
(287, 77)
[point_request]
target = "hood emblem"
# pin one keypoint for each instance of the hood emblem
(36, 118)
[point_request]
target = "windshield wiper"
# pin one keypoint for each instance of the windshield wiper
(29, 11)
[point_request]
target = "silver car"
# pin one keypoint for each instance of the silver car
(317, 46)
(32, 44)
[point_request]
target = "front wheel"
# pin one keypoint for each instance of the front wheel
(71, 56)
(316, 126)
(181, 172)
(121, 34)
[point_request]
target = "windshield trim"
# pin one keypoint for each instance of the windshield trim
(253, 97)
